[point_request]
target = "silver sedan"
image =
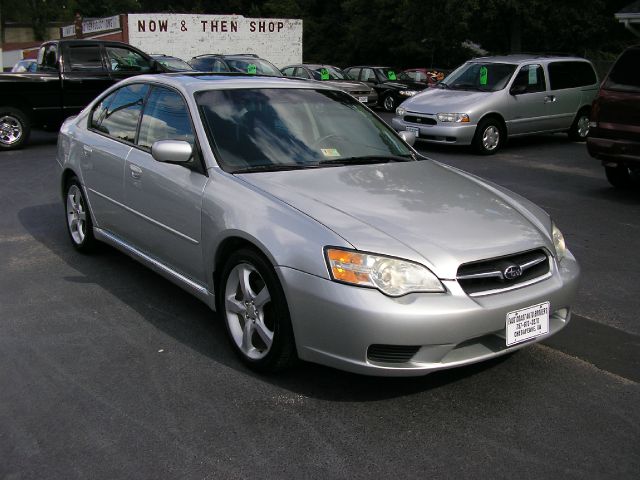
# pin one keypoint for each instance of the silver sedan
(315, 230)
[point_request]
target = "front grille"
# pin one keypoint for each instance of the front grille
(420, 120)
(391, 353)
(496, 274)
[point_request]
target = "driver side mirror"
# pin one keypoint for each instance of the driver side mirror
(172, 151)
(408, 137)
(518, 90)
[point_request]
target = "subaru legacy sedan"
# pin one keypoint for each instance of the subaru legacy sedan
(313, 229)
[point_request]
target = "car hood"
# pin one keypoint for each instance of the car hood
(348, 85)
(422, 211)
(435, 100)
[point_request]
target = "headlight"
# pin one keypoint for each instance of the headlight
(453, 117)
(407, 93)
(400, 111)
(392, 276)
(558, 242)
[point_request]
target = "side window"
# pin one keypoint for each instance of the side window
(122, 59)
(301, 73)
(288, 72)
(99, 112)
(82, 58)
(120, 116)
(368, 75)
(531, 78)
(570, 75)
(353, 73)
(48, 57)
(165, 117)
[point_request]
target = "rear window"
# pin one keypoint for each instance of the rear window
(625, 74)
(84, 58)
(571, 75)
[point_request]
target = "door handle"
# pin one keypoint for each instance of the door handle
(136, 171)
(550, 99)
(87, 149)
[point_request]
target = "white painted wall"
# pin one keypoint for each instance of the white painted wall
(278, 40)
(10, 58)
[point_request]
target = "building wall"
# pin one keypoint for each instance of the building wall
(185, 36)
(24, 33)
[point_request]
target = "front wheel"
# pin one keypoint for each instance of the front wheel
(489, 137)
(79, 225)
(389, 103)
(14, 128)
(253, 306)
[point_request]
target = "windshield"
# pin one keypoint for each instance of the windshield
(484, 77)
(272, 129)
(174, 64)
(253, 66)
(328, 73)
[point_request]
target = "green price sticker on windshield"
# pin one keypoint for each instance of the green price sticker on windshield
(252, 69)
(483, 75)
(324, 74)
(391, 75)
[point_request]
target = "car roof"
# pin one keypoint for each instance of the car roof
(189, 83)
(525, 58)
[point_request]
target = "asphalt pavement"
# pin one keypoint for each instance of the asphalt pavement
(109, 371)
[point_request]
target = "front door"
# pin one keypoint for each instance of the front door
(526, 110)
(165, 200)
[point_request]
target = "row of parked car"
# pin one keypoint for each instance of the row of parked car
(483, 103)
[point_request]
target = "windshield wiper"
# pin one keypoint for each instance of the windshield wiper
(366, 160)
(274, 168)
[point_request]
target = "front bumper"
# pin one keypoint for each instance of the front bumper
(335, 324)
(447, 133)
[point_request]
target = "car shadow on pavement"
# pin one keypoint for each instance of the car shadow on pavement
(191, 323)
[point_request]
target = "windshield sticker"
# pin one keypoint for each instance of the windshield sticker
(533, 75)
(483, 75)
(324, 74)
(391, 75)
(252, 69)
(330, 152)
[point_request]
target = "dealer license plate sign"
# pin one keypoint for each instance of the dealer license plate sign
(363, 99)
(527, 323)
(414, 130)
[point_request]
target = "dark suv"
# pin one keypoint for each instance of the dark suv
(614, 130)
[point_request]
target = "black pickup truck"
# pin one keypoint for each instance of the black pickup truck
(70, 74)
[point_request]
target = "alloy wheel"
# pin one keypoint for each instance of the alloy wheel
(76, 214)
(491, 138)
(11, 130)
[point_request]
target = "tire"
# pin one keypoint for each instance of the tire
(580, 127)
(255, 313)
(15, 128)
(78, 217)
(622, 176)
(389, 103)
(489, 137)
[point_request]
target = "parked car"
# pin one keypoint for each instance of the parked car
(27, 65)
(429, 76)
(392, 88)
(490, 99)
(241, 63)
(614, 130)
(333, 76)
(172, 64)
(70, 74)
(311, 226)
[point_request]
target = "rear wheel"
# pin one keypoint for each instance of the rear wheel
(580, 127)
(622, 176)
(255, 311)
(489, 137)
(79, 225)
(14, 128)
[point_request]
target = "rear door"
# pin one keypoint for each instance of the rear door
(165, 200)
(572, 85)
(84, 76)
